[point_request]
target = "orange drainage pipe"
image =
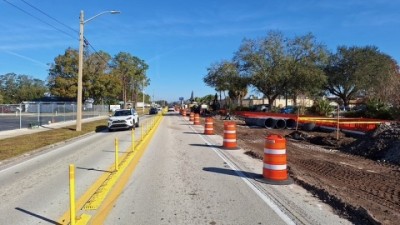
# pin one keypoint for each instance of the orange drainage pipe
(275, 157)
(209, 126)
(196, 119)
(230, 142)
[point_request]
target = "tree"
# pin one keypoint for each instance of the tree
(265, 62)
(306, 62)
(277, 65)
(225, 76)
(63, 75)
(98, 81)
(216, 78)
(132, 73)
(356, 71)
(17, 88)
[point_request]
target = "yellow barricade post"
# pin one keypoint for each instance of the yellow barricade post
(116, 154)
(133, 140)
(72, 194)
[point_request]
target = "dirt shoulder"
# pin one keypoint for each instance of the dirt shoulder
(363, 190)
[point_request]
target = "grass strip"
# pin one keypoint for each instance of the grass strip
(19, 145)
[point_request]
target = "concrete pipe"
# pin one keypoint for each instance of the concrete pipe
(250, 121)
(291, 124)
(270, 123)
(260, 122)
(308, 126)
(280, 124)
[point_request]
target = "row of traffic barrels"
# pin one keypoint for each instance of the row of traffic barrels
(275, 157)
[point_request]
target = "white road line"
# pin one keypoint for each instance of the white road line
(265, 198)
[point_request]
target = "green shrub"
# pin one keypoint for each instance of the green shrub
(323, 108)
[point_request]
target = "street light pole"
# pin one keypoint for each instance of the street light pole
(82, 22)
(80, 72)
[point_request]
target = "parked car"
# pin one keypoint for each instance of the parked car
(288, 109)
(153, 111)
(123, 119)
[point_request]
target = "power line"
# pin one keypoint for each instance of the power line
(26, 12)
(95, 51)
(41, 11)
(84, 39)
(44, 13)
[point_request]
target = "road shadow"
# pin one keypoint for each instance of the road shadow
(93, 169)
(206, 145)
(190, 132)
(38, 216)
(237, 173)
(101, 128)
(114, 151)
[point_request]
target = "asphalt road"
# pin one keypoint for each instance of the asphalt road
(183, 177)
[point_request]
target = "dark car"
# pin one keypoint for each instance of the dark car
(153, 111)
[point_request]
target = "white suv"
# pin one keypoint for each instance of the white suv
(123, 119)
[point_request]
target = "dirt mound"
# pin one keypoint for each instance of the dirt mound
(322, 138)
(383, 144)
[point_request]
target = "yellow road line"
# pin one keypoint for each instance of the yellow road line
(118, 185)
(109, 202)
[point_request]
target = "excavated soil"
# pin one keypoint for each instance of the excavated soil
(365, 191)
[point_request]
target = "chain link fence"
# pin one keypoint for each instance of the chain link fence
(34, 114)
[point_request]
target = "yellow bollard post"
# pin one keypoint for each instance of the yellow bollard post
(133, 140)
(72, 194)
(141, 134)
(116, 154)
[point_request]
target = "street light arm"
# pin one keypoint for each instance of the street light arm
(112, 12)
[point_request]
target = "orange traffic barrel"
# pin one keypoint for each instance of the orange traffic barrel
(275, 157)
(191, 116)
(196, 119)
(209, 126)
(230, 135)
(184, 112)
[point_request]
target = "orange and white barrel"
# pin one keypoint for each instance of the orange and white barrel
(209, 126)
(230, 141)
(191, 116)
(183, 112)
(196, 119)
(275, 157)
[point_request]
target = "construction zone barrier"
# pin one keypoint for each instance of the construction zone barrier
(183, 112)
(209, 126)
(275, 157)
(191, 116)
(270, 120)
(196, 119)
(230, 141)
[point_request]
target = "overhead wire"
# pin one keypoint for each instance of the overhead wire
(86, 42)
(44, 13)
(30, 14)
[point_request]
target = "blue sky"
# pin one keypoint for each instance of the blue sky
(180, 39)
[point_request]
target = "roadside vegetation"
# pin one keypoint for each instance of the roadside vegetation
(19, 145)
(276, 66)
(107, 80)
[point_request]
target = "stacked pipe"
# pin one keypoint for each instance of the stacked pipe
(271, 122)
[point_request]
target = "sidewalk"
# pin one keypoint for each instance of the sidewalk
(23, 131)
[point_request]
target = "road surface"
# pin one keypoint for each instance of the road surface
(183, 177)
